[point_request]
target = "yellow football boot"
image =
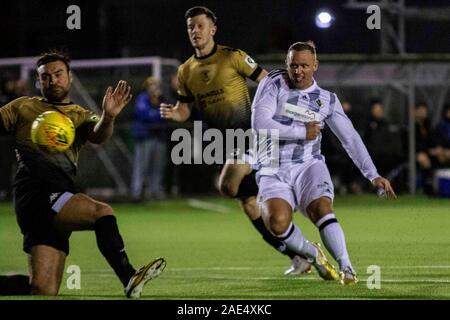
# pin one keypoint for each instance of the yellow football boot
(348, 276)
(325, 269)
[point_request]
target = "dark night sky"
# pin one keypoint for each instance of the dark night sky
(156, 27)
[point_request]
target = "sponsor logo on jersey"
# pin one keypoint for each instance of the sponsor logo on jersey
(205, 76)
(300, 113)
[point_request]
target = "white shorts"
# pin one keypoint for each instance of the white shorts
(297, 184)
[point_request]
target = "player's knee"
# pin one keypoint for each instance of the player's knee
(279, 223)
(319, 208)
(102, 209)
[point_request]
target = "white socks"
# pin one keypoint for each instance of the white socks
(295, 241)
(334, 240)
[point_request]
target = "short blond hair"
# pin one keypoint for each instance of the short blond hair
(150, 81)
(300, 46)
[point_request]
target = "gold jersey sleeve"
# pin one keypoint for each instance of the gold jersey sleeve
(217, 85)
(18, 116)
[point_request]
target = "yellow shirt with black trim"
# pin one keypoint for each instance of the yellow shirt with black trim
(17, 117)
(217, 84)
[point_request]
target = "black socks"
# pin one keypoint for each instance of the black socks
(112, 247)
(271, 239)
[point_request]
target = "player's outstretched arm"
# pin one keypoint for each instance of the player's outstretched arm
(113, 103)
(383, 184)
(179, 113)
(262, 75)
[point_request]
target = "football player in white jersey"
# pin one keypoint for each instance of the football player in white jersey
(290, 102)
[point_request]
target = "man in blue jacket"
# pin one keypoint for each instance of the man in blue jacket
(150, 137)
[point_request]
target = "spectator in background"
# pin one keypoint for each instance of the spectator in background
(173, 88)
(150, 148)
(12, 89)
(441, 140)
(423, 143)
(20, 88)
(347, 107)
(8, 91)
(383, 140)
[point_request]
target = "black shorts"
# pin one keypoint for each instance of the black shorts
(33, 201)
(248, 186)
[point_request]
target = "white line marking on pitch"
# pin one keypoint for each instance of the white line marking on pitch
(416, 267)
(303, 279)
(275, 268)
(199, 204)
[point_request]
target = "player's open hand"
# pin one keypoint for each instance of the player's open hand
(312, 130)
(166, 111)
(383, 184)
(115, 101)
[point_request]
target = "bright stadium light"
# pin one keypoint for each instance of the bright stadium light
(324, 19)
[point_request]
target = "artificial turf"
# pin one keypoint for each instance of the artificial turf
(213, 251)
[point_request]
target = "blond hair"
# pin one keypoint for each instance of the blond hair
(300, 46)
(149, 82)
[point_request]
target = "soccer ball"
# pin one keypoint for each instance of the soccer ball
(53, 132)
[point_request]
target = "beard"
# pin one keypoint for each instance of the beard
(55, 93)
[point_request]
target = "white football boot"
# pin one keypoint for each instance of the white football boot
(299, 266)
(142, 276)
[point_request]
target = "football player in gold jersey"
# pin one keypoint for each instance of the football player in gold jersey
(47, 204)
(213, 81)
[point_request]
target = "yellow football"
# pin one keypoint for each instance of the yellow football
(53, 131)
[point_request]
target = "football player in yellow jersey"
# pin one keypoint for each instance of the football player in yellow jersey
(213, 81)
(47, 204)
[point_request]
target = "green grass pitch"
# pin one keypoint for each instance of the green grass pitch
(213, 252)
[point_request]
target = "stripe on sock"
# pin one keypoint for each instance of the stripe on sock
(285, 235)
(326, 223)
